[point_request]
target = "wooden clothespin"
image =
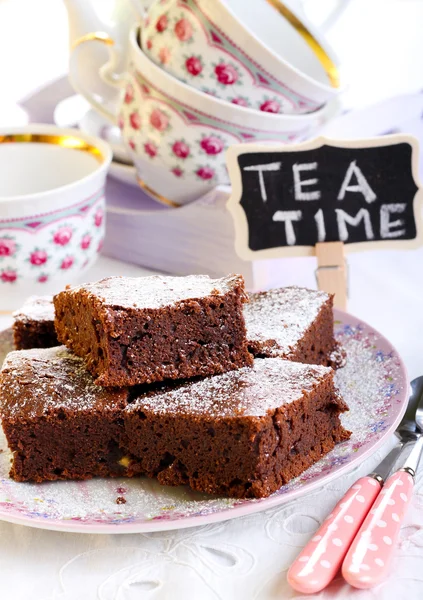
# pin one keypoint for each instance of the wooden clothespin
(331, 272)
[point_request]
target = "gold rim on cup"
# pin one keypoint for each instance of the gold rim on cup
(65, 141)
(323, 57)
(155, 195)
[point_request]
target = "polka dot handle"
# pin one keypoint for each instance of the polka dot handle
(367, 561)
(320, 560)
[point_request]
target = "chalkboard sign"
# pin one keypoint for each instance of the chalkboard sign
(286, 199)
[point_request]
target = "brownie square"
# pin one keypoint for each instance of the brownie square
(57, 422)
(242, 434)
(142, 330)
(33, 325)
(293, 323)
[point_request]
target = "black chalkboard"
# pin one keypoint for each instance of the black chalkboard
(298, 197)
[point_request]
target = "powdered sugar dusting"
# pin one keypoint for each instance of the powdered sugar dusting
(157, 291)
(363, 386)
(36, 308)
(33, 382)
(280, 317)
(36, 382)
(270, 383)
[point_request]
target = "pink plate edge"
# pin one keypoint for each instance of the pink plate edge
(238, 511)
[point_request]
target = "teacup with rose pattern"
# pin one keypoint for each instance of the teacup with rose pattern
(52, 209)
(242, 52)
(177, 135)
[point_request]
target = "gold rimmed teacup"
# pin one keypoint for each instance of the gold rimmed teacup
(52, 208)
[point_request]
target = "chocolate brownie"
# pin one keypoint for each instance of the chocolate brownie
(33, 325)
(141, 330)
(293, 323)
(243, 433)
(58, 423)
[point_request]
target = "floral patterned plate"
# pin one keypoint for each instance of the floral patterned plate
(373, 382)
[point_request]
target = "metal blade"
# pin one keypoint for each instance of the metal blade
(413, 459)
(384, 467)
(406, 432)
(408, 423)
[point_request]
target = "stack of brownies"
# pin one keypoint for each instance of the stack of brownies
(186, 379)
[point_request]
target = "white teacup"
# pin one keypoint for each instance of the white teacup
(177, 135)
(255, 53)
(51, 208)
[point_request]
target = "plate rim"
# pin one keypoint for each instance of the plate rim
(245, 509)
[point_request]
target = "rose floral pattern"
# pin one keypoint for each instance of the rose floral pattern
(194, 66)
(272, 106)
(38, 258)
(150, 149)
(129, 94)
(135, 120)
(7, 246)
(212, 144)
(180, 149)
(226, 74)
(177, 171)
(86, 241)
(63, 236)
(189, 143)
(164, 55)
(183, 30)
(205, 173)
(218, 65)
(162, 23)
(159, 120)
(98, 217)
(67, 262)
(43, 247)
(8, 276)
(240, 100)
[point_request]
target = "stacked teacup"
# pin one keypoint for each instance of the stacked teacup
(205, 74)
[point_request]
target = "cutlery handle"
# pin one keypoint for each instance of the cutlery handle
(317, 564)
(367, 561)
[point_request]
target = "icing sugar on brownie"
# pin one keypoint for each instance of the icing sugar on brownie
(255, 391)
(36, 308)
(242, 434)
(293, 323)
(33, 325)
(142, 330)
(38, 381)
(156, 291)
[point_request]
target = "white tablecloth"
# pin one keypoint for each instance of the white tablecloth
(245, 558)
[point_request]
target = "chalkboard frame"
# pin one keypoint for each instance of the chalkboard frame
(240, 218)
